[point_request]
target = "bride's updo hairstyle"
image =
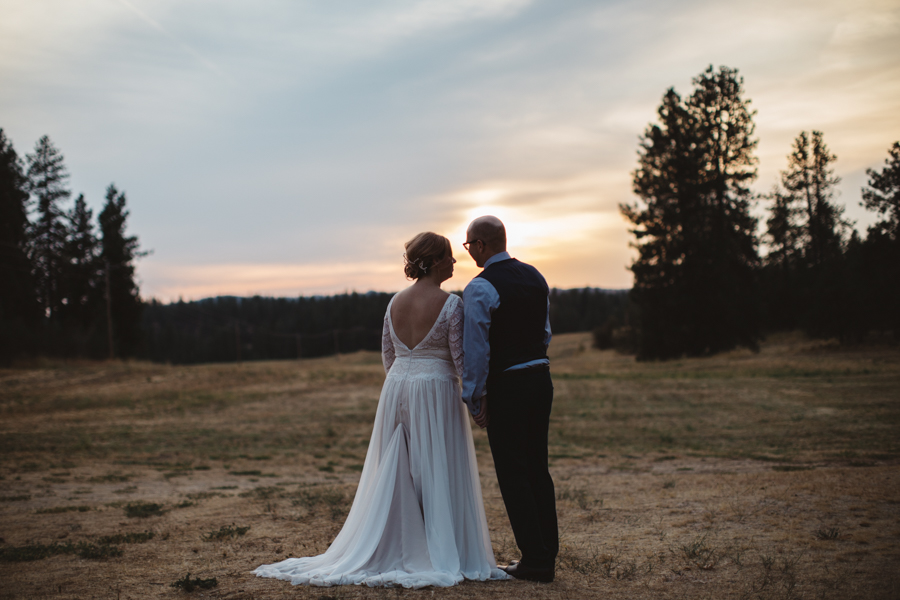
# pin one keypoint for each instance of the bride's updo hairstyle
(423, 252)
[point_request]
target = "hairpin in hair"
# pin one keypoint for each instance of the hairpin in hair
(420, 263)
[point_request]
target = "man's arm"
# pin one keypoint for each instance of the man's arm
(548, 335)
(480, 300)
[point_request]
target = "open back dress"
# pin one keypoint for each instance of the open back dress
(418, 516)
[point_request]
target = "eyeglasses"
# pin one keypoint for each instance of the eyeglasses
(467, 244)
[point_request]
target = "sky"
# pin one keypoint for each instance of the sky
(291, 147)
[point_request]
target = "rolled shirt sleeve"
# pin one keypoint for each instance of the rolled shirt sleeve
(480, 299)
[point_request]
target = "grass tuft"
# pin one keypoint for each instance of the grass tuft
(333, 499)
(315, 497)
(578, 496)
(225, 533)
(62, 509)
(189, 585)
(262, 493)
(205, 495)
(110, 478)
(700, 554)
(828, 533)
(588, 560)
(97, 552)
(126, 538)
(33, 552)
(142, 510)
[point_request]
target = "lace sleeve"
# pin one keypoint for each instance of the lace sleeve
(387, 344)
(455, 336)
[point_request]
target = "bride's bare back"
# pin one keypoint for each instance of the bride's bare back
(414, 312)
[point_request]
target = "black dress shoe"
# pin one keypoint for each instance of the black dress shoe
(517, 570)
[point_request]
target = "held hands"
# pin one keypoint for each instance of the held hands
(481, 419)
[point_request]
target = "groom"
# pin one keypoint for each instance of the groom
(507, 386)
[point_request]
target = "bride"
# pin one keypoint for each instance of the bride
(418, 516)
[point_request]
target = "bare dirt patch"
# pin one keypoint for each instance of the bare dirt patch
(770, 475)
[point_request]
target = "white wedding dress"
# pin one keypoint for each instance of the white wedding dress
(418, 515)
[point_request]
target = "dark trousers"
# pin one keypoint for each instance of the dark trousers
(519, 405)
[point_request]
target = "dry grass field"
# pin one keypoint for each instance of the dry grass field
(770, 475)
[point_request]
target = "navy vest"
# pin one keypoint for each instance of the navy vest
(517, 326)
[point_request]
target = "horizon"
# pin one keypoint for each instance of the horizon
(347, 293)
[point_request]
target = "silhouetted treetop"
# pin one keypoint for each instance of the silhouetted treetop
(117, 254)
(47, 178)
(882, 194)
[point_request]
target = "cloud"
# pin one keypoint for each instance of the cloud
(186, 47)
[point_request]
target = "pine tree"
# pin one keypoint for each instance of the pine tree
(882, 194)
(817, 294)
(695, 274)
(19, 309)
(47, 184)
(81, 274)
(117, 255)
(810, 182)
(880, 253)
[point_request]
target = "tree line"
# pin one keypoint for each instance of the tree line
(233, 329)
(68, 280)
(702, 285)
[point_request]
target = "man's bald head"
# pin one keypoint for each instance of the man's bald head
(490, 230)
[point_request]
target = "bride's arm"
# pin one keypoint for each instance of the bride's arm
(387, 345)
(456, 336)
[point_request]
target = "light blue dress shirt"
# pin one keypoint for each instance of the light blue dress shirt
(480, 300)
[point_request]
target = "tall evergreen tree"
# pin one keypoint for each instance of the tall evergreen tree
(117, 255)
(80, 283)
(882, 194)
(19, 309)
(47, 177)
(880, 260)
(807, 284)
(810, 182)
(695, 274)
